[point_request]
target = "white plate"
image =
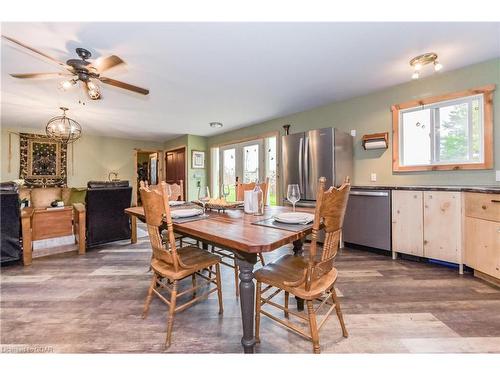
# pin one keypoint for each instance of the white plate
(186, 212)
(176, 203)
(294, 218)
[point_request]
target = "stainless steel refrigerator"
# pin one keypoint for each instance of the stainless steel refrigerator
(317, 153)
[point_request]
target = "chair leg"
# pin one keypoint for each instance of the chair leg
(261, 257)
(339, 312)
(180, 242)
(287, 297)
(171, 314)
(193, 278)
(236, 279)
(257, 311)
(219, 288)
(313, 325)
(149, 297)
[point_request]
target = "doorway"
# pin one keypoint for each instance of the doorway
(147, 169)
(175, 167)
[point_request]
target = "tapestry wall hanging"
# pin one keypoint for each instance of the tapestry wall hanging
(43, 161)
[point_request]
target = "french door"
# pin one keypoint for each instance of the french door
(242, 162)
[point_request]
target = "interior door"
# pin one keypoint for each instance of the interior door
(175, 167)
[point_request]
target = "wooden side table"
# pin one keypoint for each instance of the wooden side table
(41, 223)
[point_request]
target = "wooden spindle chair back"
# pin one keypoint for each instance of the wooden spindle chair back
(241, 188)
(330, 210)
(157, 212)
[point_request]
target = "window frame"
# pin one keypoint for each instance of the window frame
(487, 132)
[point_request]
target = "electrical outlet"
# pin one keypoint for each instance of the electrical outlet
(497, 177)
(353, 132)
(373, 177)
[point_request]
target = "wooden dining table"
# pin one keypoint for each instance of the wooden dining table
(235, 231)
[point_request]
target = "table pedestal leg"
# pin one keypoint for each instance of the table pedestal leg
(297, 251)
(246, 263)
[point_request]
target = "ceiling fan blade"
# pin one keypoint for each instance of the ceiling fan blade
(40, 75)
(34, 50)
(104, 63)
(124, 85)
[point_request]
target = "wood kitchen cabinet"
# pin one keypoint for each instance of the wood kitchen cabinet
(442, 226)
(407, 222)
(482, 234)
(427, 224)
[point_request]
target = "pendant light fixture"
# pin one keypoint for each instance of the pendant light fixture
(63, 128)
(418, 62)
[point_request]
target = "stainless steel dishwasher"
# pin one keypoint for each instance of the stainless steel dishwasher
(367, 220)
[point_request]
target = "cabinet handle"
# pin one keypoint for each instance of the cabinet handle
(495, 201)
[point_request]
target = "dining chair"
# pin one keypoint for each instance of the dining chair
(311, 277)
(170, 265)
(176, 193)
(228, 255)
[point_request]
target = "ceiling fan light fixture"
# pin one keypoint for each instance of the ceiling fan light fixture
(216, 125)
(67, 84)
(437, 66)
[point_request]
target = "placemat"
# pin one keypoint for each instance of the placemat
(289, 227)
(182, 220)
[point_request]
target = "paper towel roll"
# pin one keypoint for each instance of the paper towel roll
(372, 145)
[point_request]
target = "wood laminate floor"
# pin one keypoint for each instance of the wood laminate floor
(93, 304)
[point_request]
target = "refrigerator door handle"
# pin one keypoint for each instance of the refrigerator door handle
(306, 162)
(301, 148)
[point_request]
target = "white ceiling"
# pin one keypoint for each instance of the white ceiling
(235, 73)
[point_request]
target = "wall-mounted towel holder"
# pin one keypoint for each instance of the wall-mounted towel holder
(375, 141)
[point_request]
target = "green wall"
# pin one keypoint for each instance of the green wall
(94, 157)
(192, 142)
(371, 113)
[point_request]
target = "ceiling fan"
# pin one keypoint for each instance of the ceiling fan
(82, 70)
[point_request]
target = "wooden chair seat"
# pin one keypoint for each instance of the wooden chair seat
(193, 257)
(290, 268)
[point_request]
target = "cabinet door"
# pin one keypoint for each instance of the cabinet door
(442, 223)
(407, 222)
(482, 245)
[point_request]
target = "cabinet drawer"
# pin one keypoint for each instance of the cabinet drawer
(482, 246)
(482, 206)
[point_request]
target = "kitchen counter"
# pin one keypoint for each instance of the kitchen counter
(472, 189)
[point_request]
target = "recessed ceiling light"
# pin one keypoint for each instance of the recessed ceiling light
(216, 124)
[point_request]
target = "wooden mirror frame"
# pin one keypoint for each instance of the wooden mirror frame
(487, 163)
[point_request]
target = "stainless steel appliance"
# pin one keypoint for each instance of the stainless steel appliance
(314, 154)
(367, 220)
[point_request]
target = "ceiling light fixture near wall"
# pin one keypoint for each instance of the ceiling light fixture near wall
(216, 125)
(418, 62)
(63, 128)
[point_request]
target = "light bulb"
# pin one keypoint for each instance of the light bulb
(94, 94)
(415, 75)
(61, 126)
(437, 66)
(66, 85)
(418, 66)
(92, 86)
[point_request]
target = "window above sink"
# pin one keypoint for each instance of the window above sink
(446, 132)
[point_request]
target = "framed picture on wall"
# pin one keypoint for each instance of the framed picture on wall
(197, 159)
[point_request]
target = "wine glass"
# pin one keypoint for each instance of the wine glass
(225, 191)
(293, 194)
(204, 197)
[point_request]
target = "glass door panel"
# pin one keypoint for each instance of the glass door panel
(251, 163)
(228, 171)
